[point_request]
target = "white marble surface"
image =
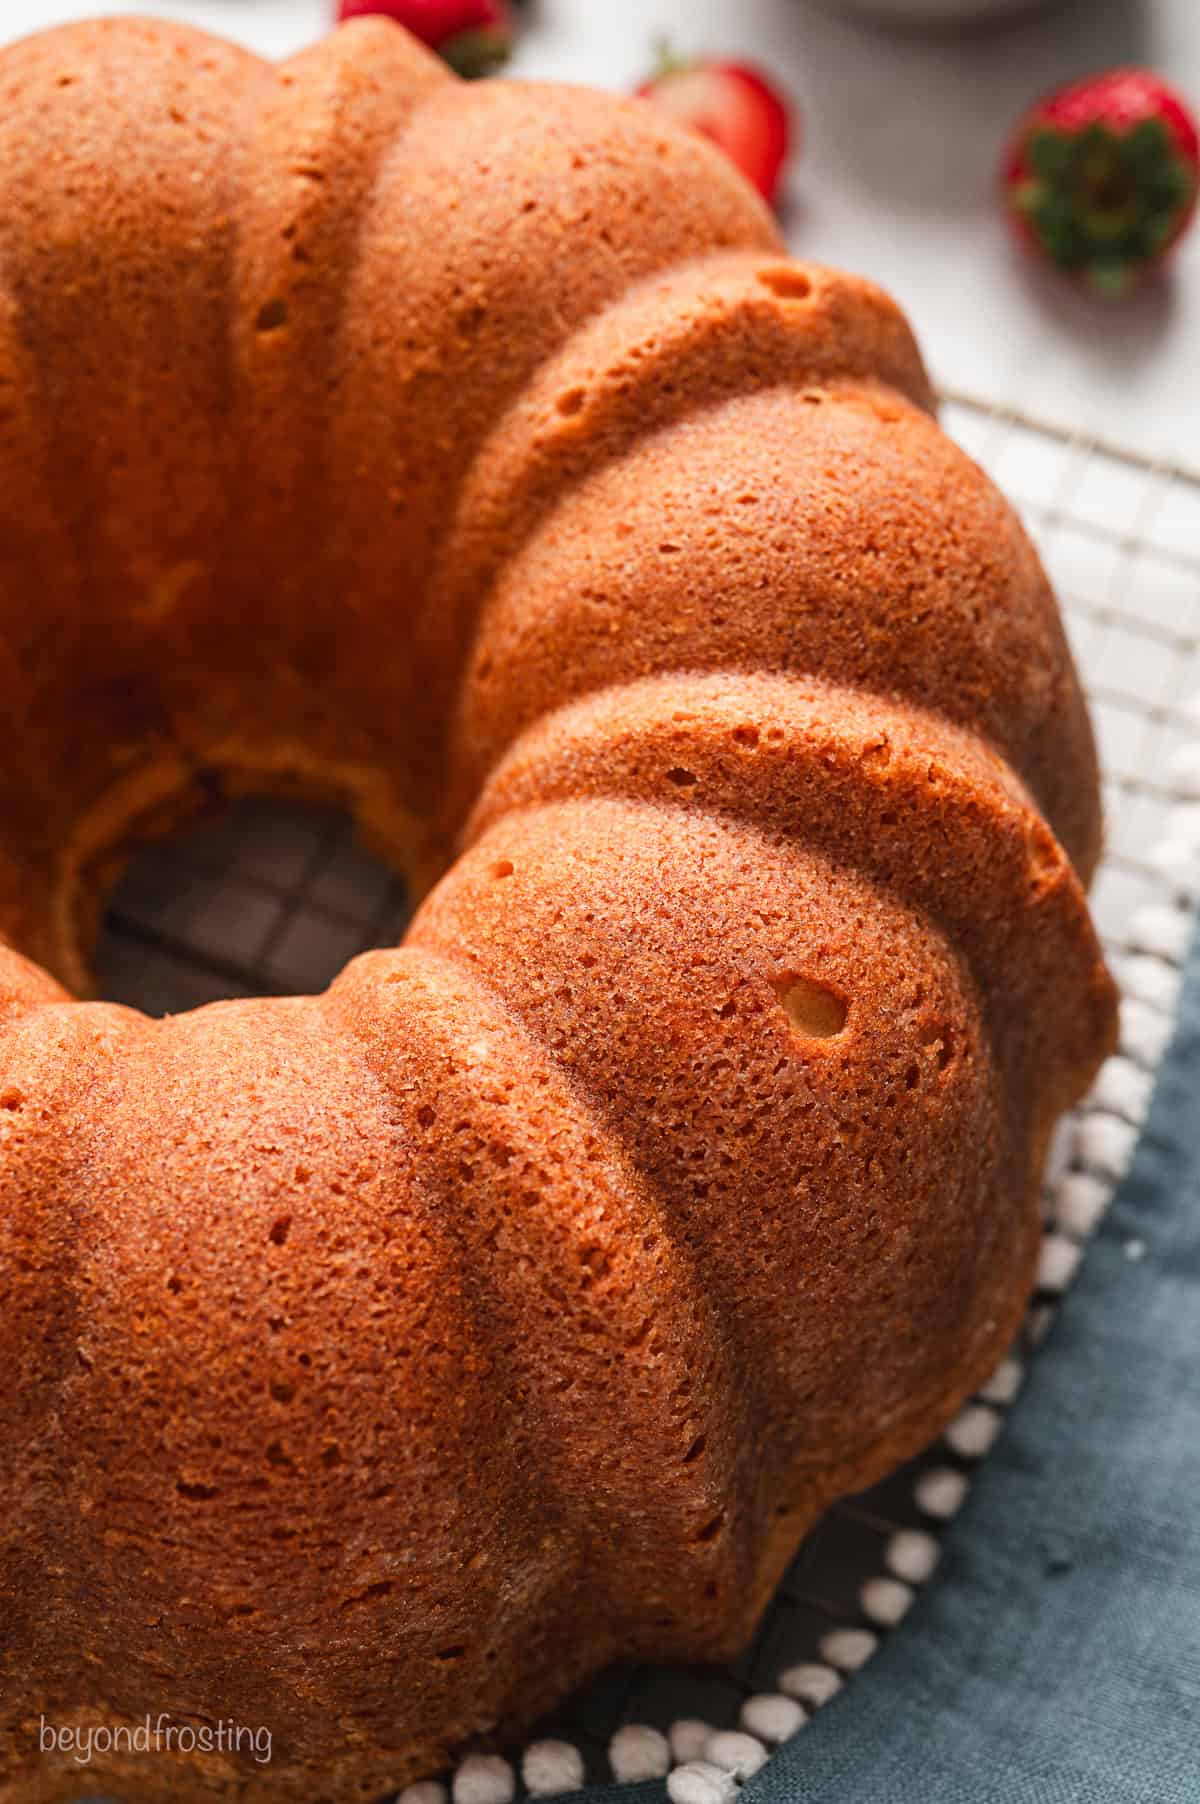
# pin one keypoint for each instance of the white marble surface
(896, 175)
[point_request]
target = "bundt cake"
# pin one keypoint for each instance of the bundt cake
(380, 1363)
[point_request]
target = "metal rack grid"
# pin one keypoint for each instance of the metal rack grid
(276, 897)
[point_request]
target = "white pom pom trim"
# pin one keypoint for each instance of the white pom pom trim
(848, 1649)
(1005, 1381)
(699, 1782)
(484, 1779)
(687, 1739)
(736, 1752)
(1081, 1200)
(811, 1682)
(941, 1492)
(1057, 1262)
(1105, 1144)
(550, 1767)
(912, 1555)
(639, 1752)
(973, 1430)
(886, 1601)
(772, 1717)
(425, 1791)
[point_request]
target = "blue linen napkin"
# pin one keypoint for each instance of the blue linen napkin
(1055, 1658)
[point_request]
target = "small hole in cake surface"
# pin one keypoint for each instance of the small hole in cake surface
(788, 282)
(571, 401)
(1046, 861)
(268, 897)
(196, 1493)
(815, 1010)
(271, 316)
(502, 868)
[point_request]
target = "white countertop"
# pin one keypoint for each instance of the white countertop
(896, 175)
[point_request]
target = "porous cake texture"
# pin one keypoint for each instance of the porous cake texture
(379, 1364)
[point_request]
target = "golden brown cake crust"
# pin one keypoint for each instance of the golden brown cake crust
(380, 1364)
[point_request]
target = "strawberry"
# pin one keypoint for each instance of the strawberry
(1101, 178)
(474, 36)
(734, 105)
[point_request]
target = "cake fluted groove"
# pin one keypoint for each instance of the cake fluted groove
(60, 1065)
(836, 534)
(116, 247)
(24, 985)
(692, 1054)
(684, 338)
(262, 1489)
(576, 1245)
(442, 333)
(903, 794)
(316, 134)
(38, 560)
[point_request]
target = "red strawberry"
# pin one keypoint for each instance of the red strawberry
(735, 106)
(1101, 178)
(473, 36)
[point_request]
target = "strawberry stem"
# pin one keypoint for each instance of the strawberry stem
(667, 60)
(1104, 205)
(476, 52)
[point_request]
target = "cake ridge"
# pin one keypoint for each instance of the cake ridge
(779, 565)
(119, 327)
(464, 327)
(687, 337)
(316, 136)
(361, 1401)
(656, 1049)
(57, 1059)
(624, 743)
(494, 1041)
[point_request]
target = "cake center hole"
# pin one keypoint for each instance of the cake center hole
(814, 1010)
(269, 898)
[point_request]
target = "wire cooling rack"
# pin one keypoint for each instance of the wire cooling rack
(275, 897)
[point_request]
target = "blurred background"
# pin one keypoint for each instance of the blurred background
(902, 128)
